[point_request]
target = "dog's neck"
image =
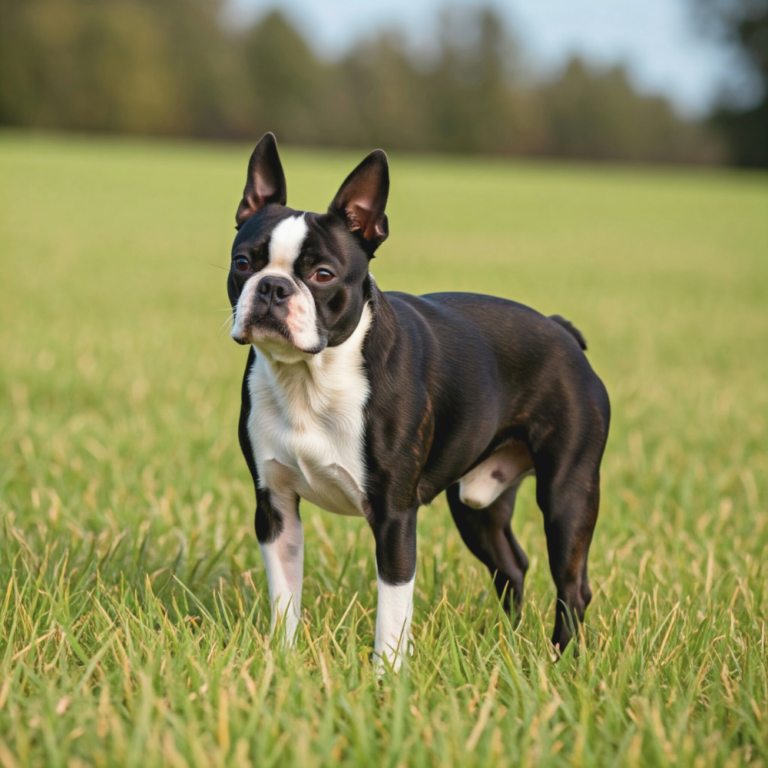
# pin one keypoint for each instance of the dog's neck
(318, 383)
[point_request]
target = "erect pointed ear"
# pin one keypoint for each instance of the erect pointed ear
(362, 199)
(266, 180)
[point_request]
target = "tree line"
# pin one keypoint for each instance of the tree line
(172, 68)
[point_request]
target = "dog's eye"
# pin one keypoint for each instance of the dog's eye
(242, 264)
(322, 276)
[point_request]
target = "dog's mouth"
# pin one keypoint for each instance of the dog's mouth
(265, 326)
(267, 329)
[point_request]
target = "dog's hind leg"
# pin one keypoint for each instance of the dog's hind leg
(569, 500)
(488, 534)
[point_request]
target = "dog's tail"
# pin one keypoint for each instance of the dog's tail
(572, 329)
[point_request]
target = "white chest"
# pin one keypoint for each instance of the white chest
(307, 425)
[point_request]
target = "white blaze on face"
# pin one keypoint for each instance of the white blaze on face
(285, 245)
(284, 248)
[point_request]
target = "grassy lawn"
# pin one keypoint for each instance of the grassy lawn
(133, 602)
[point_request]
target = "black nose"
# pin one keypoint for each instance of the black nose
(274, 289)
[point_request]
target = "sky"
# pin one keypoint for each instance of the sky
(658, 40)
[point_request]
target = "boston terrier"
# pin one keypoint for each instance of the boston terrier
(371, 403)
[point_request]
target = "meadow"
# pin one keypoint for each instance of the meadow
(133, 602)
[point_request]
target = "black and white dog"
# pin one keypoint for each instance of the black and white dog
(369, 403)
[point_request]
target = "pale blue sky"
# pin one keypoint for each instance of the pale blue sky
(657, 39)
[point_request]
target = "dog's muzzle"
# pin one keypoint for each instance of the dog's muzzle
(268, 310)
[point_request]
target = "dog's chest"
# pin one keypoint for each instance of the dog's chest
(307, 426)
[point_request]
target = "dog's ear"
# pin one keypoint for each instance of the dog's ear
(362, 198)
(266, 180)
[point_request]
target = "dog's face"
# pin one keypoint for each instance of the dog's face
(298, 281)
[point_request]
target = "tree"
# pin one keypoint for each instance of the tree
(597, 114)
(743, 25)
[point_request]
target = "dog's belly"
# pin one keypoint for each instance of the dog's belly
(328, 486)
(501, 470)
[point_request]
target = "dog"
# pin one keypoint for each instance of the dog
(369, 403)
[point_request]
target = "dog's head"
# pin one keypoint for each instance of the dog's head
(298, 280)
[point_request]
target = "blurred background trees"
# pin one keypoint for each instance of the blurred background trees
(172, 68)
(742, 24)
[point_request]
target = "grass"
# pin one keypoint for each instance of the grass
(133, 602)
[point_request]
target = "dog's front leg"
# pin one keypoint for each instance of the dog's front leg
(396, 570)
(281, 541)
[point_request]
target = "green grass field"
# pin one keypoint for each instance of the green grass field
(133, 602)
